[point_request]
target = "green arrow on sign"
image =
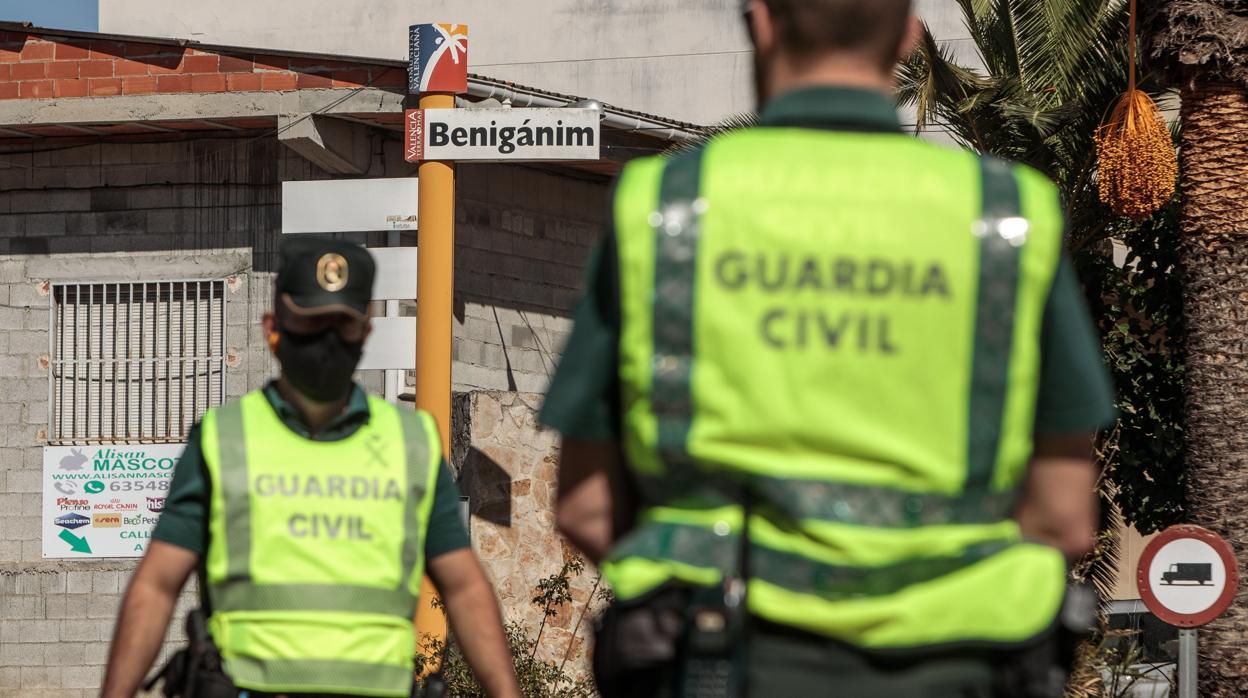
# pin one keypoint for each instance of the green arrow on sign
(78, 545)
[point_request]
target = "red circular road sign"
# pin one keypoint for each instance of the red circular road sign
(1187, 576)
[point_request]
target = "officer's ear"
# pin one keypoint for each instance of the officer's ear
(368, 329)
(269, 323)
(761, 27)
(914, 34)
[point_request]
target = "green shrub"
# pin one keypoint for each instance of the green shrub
(538, 678)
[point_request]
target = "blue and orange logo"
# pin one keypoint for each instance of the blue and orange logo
(437, 58)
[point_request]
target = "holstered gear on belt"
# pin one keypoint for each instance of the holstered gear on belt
(680, 641)
(637, 642)
(1041, 670)
(642, 645)
(194, 671)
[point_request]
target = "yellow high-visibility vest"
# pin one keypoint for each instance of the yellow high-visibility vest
(316, 548)
(847, 326)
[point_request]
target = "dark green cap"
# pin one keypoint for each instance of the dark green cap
(320, 275)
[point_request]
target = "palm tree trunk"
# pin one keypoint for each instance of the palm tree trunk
(1214, 184)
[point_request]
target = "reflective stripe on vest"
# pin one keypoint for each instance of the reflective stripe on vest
(351, 678)
(678, 225)
(994, 323)
(707, 549)
(832, 502)
(662, 407)
(295, 615)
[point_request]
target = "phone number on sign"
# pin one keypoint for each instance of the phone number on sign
(130, 486)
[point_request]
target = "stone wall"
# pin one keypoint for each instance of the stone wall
(507, 469)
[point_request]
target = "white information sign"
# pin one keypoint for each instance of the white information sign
(502, 134)
(103, 501)
(391, 345)
(349, 205)
(396, 273)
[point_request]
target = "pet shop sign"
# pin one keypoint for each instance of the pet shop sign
(103, 501)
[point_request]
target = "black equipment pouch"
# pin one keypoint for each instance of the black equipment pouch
(1040, 670)
(679, 641)
(432, 687)
(195, 671)
(712, 652)
(636, 643)
(173, 676)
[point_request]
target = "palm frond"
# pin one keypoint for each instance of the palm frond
(732, 123)
(1046, 121)
(930, 79)
(1041, 77)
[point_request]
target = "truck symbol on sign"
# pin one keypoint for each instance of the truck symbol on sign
(1198, 572)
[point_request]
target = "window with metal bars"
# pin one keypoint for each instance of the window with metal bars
(134, 362)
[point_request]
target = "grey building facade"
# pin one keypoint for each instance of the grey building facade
(140, 216)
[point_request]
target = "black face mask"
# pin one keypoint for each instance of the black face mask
(319, 365)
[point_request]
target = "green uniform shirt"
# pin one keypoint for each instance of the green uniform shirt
(184, 522)
(584, 401)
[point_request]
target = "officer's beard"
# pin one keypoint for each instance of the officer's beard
(319, 365)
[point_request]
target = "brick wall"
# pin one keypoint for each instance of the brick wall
(210, 208)
(35, 67)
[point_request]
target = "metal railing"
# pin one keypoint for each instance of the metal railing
(134, 362)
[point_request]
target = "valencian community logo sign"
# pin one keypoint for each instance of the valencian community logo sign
(103, 501)
(437, 58)
(502, 134)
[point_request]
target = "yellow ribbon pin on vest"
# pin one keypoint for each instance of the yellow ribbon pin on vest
(331, 272)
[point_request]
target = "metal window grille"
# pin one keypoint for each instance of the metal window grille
(134, 362)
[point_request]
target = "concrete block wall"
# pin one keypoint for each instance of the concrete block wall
(57, 623)
(210, 208)
(523, 233)
(523, 236)
(56, 616)
(108, 212)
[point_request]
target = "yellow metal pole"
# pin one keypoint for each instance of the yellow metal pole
(435, 284)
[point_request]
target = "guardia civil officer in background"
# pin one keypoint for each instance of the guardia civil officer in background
(840, 377)
(311, 511)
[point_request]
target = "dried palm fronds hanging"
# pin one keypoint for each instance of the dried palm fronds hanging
(1138, 165)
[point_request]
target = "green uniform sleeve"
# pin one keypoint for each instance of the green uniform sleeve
(184, 521)
(446, 532)
(583, 400)
(1076, 394)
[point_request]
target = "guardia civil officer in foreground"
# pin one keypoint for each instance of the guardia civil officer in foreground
(841, 378)
(311, 512)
